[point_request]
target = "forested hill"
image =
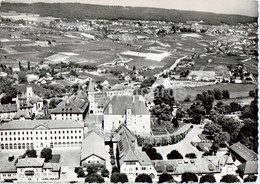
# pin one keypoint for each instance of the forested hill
(87, 11)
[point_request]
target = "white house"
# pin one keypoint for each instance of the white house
(128, 110)
(73, 108)
(38, 134)
(30, 170)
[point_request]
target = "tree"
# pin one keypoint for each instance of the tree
(54, 102)
(151, 152)
(115, 170)
(92, 169)
(46, 153)
(217, 94)
(174, 155)
(229, 179)
(165, 178)
(225, 94)
(118, 177)
(22, 78)
(28, 65)
(250, 178)
(196, 112)
(235, 106)
(175, 122)
(252, 93)
(143, 178)
(94, 178)
(104, 172)
(191, 155)
(222, 138)
(31, 153)
(189, 177)
(209, 178)
(80, 172)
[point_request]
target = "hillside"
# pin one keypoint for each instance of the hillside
(87, 11)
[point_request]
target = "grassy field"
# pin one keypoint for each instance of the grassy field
(236, 90)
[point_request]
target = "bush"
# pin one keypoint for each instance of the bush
(229, 179)
(209, 178)
(143, 178)
(189, 177)
(92, 169)
(191, 155)
(105, 173)
(250, 178)
(119, 178)
(80, 173)
(165, 178)
(94, 178)
(174, 155)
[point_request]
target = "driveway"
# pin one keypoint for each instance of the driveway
(184, 146)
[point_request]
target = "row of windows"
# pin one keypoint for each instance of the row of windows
(40, 132)
(31, 145)
(143, 169)
(40, 138)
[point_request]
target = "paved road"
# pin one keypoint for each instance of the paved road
(184, 146)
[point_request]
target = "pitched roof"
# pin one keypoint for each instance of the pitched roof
(197, 166)
(35, 87)
(53, 166)
(120, 103)
(45, 124)
(74, 104)
(22, 113)
(250, 167)
(10, 168)
(90, 87)
(30, 162)
(8, 108)
(126, 145)
(93, 144)
(244, 152)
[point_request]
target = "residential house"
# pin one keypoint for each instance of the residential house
(74, 107)
(131, 161)
(7, 111)
(30, 170)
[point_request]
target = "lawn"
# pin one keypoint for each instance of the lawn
(55, 158)
(158, 129)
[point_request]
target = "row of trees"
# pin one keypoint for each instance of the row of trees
(46, 153)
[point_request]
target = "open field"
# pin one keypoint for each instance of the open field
(236, 90)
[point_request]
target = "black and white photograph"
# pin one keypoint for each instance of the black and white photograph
(129, 91)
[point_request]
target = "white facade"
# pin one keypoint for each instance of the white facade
(41, 137)
(67, 116)
(93, 160)
(138, 124)
(133, 169)
(23, 174)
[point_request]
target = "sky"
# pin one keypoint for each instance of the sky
(241, 7)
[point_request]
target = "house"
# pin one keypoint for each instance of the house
(93, 150)
(177, 167)
(242, 153)
(131, 161)
(38, 134)
(23, 114)
(248, 168)
(7, 111)
(30, 170)
(74, 107)
(128, 110)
